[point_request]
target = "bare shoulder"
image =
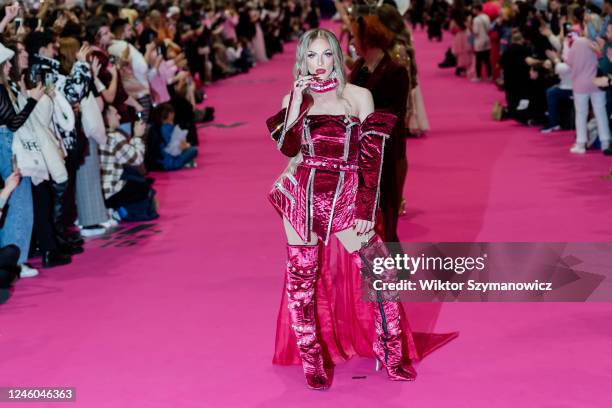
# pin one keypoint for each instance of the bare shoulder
(357, 94)
(361, 98)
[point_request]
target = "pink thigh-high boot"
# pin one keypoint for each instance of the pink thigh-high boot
(388, 344)
(302, 268)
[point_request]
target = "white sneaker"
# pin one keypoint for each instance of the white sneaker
(93, 231)
(578, 149)
(549, 129)
(110, 223)
(523, 104)
(27, 272)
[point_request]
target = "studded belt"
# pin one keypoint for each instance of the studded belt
(329, 164)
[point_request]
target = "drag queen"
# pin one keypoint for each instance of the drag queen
(331, 187)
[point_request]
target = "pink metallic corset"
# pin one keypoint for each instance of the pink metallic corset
(331, 142)
(339, 177)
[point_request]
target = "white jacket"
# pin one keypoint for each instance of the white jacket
(38, 128)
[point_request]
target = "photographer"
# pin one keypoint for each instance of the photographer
(123, 193)
(100, 35)
(17, 225)
(68, 90)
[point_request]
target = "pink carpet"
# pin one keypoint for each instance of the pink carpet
(181, 312)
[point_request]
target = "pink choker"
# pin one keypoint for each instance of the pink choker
(324, 86)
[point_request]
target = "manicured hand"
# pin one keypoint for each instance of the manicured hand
(363, 226)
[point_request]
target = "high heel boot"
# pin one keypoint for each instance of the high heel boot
(388, 344)
(302, 266)
(67, 244)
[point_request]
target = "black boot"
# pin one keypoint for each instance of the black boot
(449, 60)
(62, 234)
(55, 258)
(68, 248)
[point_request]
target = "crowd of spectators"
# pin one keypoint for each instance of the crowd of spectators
(552, 59)
(95, 95)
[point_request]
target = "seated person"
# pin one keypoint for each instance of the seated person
(176, 153)
(120, 151)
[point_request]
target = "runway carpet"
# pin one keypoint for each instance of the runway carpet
(181, 312)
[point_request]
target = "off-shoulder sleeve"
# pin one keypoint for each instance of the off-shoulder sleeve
(288, 137)
(374, 131)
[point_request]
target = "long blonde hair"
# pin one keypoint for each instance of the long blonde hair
(301, 68)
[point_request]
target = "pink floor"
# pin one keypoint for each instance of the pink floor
(182, 312)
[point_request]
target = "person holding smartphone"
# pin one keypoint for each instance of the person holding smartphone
(118, 152)
(18, 220)
(42, 193)
(70, 88)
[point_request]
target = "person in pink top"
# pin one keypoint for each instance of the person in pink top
(583, 62)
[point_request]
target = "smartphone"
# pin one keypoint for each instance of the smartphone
(38, 78)
(48, 81)
(139, 116)
(15, 167)
(112, 60)
(18, 22)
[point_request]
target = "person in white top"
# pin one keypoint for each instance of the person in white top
(134, 68)
(481, 24)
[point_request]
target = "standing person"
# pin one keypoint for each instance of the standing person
(70, 89)
(583, 62)
(91, 212)
(17, 227)
(481, 24)
(53, 254)
(402, 52)
(460, 47)
(134, 66)
(603, 48)
(388, 82)
(100, 35)
(258, 44)
(337, 166)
